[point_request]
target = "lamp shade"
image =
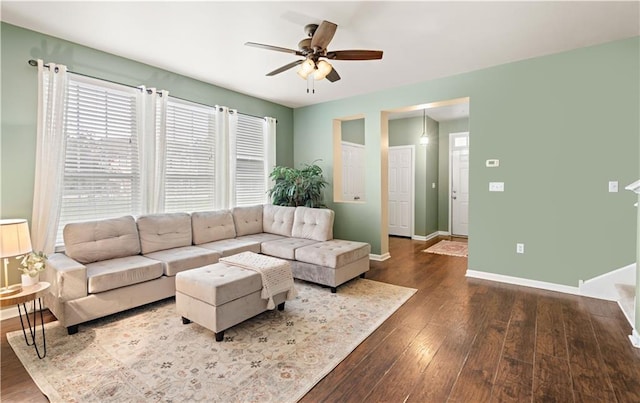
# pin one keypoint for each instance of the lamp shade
(323, 69)
(307, 67)
(14, 238)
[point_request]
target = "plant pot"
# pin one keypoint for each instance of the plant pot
(28, 281)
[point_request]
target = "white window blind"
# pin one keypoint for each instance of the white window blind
(101, 176)
(190, 157)
(250, 161)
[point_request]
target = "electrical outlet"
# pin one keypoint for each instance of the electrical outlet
(496, 186)
(519, 248)
(613, 186)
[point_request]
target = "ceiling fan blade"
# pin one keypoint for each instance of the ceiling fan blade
(323, 35)
(355, 55)
(285, 67)
(276, 48)
(333, 75)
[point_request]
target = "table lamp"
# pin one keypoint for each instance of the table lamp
(14, 241)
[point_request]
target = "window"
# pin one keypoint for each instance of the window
(190, 157)
(101, 175)
(112, 159)
(251, 170)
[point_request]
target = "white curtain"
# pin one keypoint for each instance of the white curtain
(269, 130)
(50, 156)
(152, 130)
(225, 170)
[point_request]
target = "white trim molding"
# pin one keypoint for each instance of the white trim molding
(523, 282)
(426, 238)
(9, 312)
(380, 258)
(635, 338)
(604, 285)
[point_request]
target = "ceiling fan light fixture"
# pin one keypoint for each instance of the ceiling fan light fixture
(323, 68)
(307, 67)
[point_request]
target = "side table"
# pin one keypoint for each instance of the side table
(30, 293)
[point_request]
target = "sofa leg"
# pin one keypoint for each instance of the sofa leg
(220, 336)
(185, 321)
(362, 275)
(72, 329)
(281, 307)
(334, 290)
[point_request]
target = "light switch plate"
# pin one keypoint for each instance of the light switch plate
(613, 186)
(496, 186)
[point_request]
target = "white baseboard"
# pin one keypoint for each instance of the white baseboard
(9, 312)
(426, 238)
(12, 311)
(379, 258)
(635, 338)
(444, 233)
(626, 315)
(604, 286)
(523, 282)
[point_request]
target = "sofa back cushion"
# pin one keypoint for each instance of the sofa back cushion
(278, 219)
(248, 220)
(93, 241)
(313, 223)
(209, 226)
(164, 231)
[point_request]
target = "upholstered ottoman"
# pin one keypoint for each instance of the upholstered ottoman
(220, 295)
(331, 262)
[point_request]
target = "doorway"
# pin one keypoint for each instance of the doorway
(459, 174)
(401, 190)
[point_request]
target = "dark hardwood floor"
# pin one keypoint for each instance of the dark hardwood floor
(461, 340)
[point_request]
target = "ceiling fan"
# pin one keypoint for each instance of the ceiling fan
(313, 49)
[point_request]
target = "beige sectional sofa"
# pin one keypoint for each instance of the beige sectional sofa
(116, 264)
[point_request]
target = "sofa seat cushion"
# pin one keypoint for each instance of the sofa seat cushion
(285, 248)
(164, 231)
(121, 272)
(187, 257)
(313, 223)
(93, 241)
(335, 253)
(261, 237)
(209, 226)
(228, 247)
(218, 283)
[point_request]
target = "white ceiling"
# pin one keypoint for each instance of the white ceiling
(420, 40)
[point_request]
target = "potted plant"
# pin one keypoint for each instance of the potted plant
(298, 187)
(31, 265)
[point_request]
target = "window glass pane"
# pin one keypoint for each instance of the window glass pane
(190, 157)
(101, 175)
(250, 162)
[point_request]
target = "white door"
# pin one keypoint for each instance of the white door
(352, 171)
(459, 144)
(401, 191)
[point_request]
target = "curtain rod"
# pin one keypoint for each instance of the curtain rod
(34, 63)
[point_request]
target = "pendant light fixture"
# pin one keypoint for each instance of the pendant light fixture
(424, 138)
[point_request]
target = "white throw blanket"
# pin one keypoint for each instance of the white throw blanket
(276, 274)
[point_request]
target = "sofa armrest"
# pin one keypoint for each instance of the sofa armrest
(68, 278)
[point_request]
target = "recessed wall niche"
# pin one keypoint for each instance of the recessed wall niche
(349, 159)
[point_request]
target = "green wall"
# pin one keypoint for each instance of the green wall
(353, 131)
(407, 132)
(562, 126)
(19, 99)
(451, 126)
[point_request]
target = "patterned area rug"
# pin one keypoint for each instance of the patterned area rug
(449, 248)
(147, 354)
